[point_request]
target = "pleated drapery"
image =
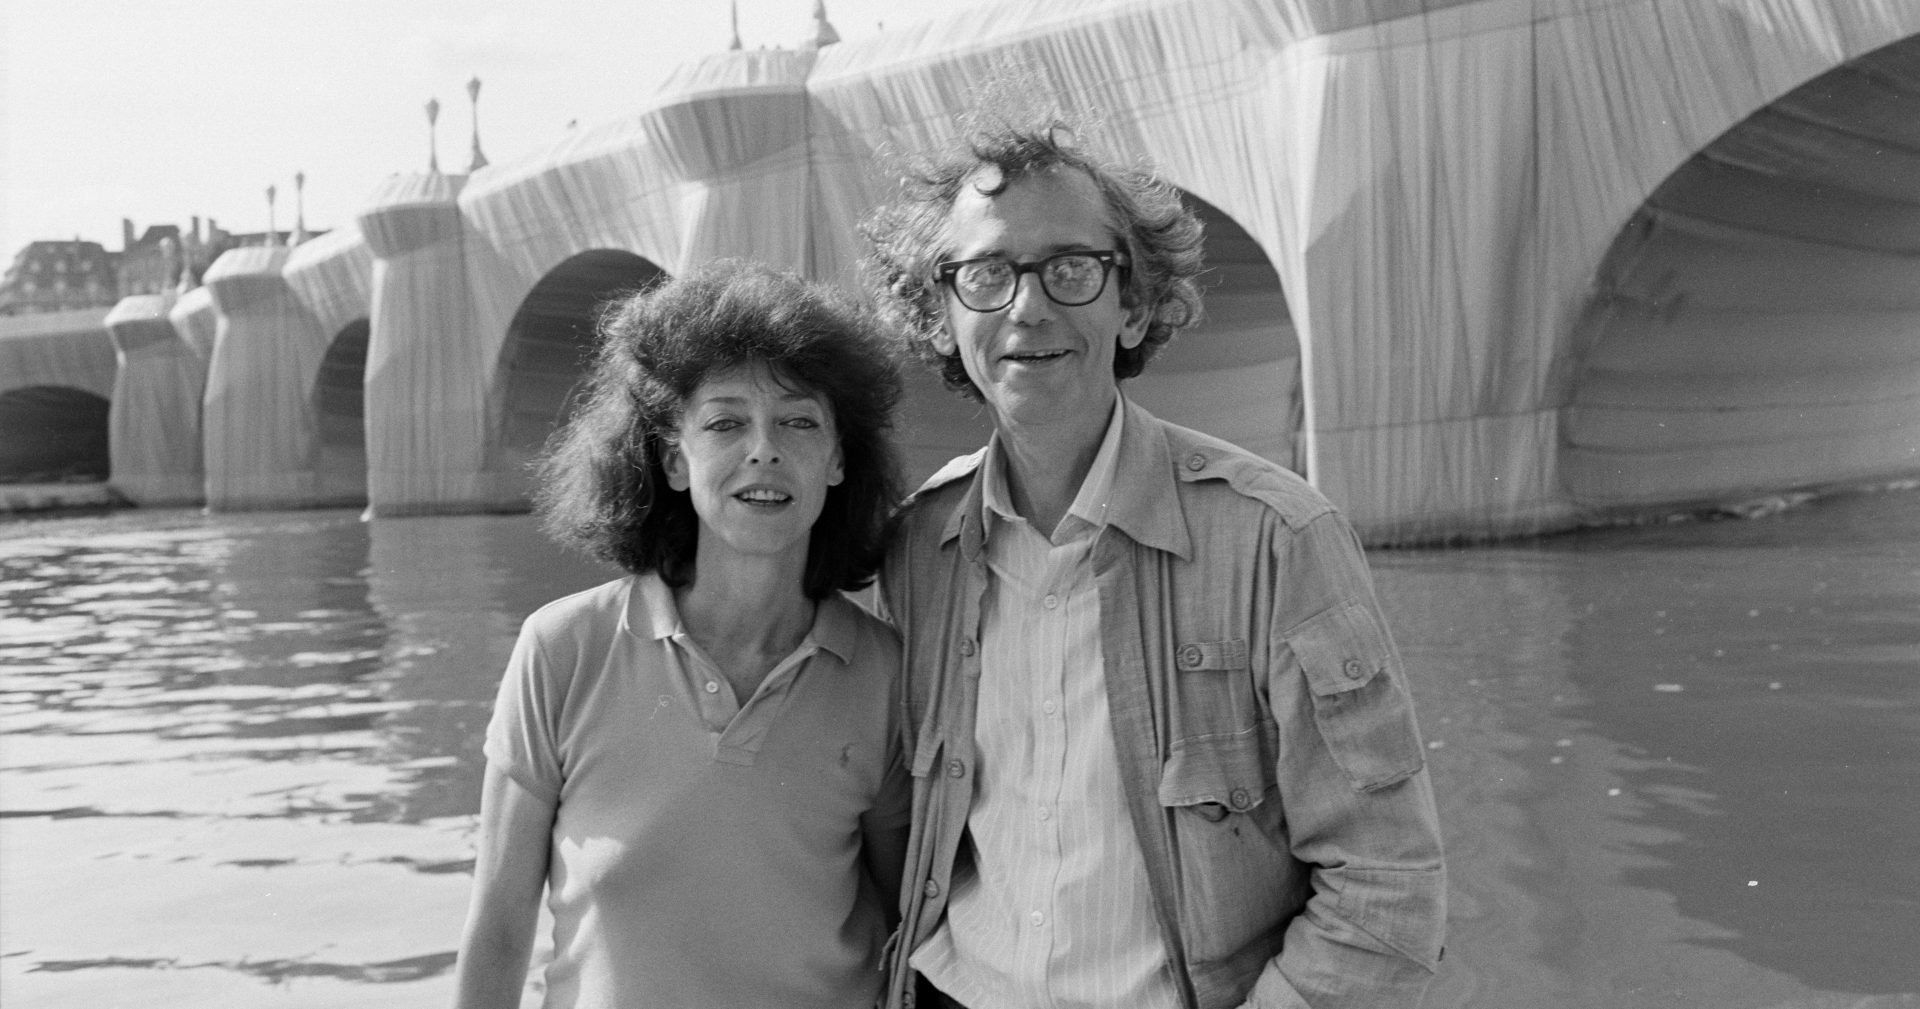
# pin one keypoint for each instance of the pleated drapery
(154, 419)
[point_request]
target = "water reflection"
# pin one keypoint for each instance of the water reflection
(1673, 762)
(448, 644)
(1670, 759)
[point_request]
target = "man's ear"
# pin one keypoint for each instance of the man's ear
(1133, 328)
(943, 339)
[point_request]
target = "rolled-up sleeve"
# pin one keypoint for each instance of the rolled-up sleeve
(1358, 803)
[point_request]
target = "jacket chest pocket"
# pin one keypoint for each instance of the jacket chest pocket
(1214, 694)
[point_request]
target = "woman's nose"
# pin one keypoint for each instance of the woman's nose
(763, 449)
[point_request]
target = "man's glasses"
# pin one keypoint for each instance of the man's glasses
(987, 284)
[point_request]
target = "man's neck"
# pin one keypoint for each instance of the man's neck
(1046, 466)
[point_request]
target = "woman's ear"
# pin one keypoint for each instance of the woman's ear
(676, 466)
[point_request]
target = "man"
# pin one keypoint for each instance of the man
(1163, 750)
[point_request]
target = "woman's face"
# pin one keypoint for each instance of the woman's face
(757, 458)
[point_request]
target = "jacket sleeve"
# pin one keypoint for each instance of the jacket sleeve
(1357, 799)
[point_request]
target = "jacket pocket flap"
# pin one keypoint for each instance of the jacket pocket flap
(1341, 649)
(1200, 656)
(1225, 770)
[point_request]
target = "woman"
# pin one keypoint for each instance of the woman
(698, 761)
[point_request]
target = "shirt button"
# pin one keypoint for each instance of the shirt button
(1190, 656)
(1353, 669)
(1038, 919)
(712, 687)
(1045, 813)
(1238, 797)
(1048, 707)
(966, 646)
(1197, 461)
(956, 768)
(931, 889)
(1052, 601)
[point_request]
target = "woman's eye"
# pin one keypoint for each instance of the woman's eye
(722, 424)
(805, 423)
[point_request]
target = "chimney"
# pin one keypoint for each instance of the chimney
(126, 233)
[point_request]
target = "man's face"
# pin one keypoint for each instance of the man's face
(1037, 363)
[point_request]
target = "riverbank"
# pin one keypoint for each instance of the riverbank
(44, 498)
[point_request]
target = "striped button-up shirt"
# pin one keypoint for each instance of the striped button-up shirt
(1056, 911)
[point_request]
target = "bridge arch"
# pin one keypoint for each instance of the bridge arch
(55, 433)
(549, 348)
(339, 401)
(1236, 375)
(1755, 326)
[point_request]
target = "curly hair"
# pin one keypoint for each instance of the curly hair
(908, 237)
(603, 484)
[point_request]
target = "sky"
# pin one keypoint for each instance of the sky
(160, 110)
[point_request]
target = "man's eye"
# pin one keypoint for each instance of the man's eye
(985, 275)
(1074, 271)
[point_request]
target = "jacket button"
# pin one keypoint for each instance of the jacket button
(1238, 797)
(1190, 656)
(1353, 669)
(1197, 461)
(932, 889)
(956, 768)
(966, 646)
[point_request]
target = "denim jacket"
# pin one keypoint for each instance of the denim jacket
(1273, 773)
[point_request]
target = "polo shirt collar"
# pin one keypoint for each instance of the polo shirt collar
(653, 615)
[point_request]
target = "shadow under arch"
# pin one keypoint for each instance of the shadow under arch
(53, 433)
(549, 348)
(339, 399)
(1753, 329)
(1236, 375)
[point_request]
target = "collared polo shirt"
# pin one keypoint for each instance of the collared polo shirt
(705, 852)
(1056, 911)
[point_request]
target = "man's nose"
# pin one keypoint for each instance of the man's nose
(1030, 300)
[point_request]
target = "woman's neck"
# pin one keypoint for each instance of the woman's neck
(747, 615)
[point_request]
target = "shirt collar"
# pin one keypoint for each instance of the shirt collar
(1090, 504)
(651, 614)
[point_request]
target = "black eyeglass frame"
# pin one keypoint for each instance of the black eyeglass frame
(1109, 260)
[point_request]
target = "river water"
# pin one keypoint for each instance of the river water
(1678, 765)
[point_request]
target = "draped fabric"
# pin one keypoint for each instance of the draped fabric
(259, 421)
(1481, 266)
(1756, 326)
(154, 420)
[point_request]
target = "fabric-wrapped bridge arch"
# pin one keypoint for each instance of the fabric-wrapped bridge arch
(1470, 278)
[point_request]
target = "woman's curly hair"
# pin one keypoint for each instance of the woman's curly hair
(908, 237)
(603, 485)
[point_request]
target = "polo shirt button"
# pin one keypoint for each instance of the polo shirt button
(931, 889)
(1238, 797)
(1190, 656)
(712, 687)
(1353, 669)
(956, 768)
(966, 646)
(1052, 601)
(1197, 461)
(1039, 919)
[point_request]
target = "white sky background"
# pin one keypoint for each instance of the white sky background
(159, 110)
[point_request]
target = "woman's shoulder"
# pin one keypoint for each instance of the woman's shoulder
(603, 606)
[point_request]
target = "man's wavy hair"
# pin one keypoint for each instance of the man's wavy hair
(1161, 237)
(603, 483)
